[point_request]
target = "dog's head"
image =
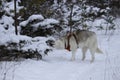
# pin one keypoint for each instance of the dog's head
(59, 44)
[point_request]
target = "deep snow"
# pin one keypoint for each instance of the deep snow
(57, 65)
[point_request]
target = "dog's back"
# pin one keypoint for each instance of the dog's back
(83, 35)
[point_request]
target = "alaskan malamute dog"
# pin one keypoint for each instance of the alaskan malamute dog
(79, 39)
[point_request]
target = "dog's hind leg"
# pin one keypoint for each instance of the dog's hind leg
(84, 50)
(92, 51)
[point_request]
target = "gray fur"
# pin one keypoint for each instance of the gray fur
(86, 40)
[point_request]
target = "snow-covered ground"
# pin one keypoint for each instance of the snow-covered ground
(57, 65)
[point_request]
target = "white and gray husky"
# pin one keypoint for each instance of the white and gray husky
(79, 39)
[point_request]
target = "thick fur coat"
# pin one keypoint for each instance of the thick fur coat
(84, 39)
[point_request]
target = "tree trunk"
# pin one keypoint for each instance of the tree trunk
(15, 18)
(71, 22)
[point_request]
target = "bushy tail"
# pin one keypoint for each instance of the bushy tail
(99, 51)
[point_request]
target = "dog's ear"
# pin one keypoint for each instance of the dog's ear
(50, 43)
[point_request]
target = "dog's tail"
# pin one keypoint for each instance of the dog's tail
(99, 51)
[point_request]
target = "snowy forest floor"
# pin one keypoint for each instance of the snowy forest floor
(57, 65)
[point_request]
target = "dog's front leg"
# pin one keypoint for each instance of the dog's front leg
(73, 55)
(84, 50)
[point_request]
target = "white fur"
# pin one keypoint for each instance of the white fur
(89, 43)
